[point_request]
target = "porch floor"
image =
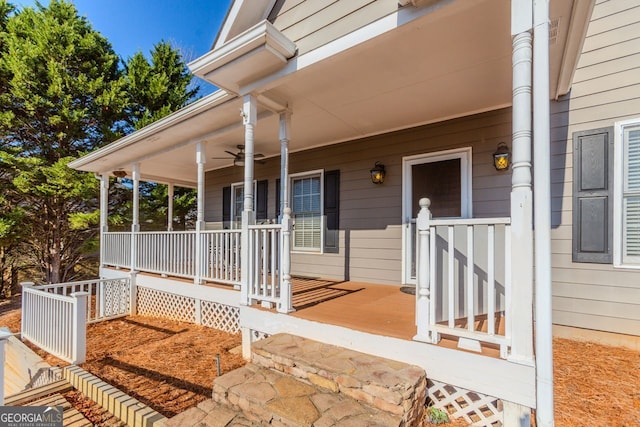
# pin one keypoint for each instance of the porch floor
(376, 309)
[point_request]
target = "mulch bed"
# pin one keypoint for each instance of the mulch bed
(170, 366)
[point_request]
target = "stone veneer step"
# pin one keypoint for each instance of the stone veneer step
(268, 397)
(390, 386)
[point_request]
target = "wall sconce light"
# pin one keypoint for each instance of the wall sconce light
(501, 157)
(119, 173)
(378, 173)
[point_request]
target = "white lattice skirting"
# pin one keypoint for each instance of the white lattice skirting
(178, 307)
(221, 316)
(477, 409)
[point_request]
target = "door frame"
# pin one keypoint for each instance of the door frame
(466, 205)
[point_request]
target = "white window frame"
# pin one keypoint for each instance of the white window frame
(233, 213)
(292, 177)
(619, 167)
(464, 154)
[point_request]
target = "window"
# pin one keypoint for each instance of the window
(306, 207)
(627, 194)
(237, 204)
(234, 207)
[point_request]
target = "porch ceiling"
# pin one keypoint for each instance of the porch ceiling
(452, 61)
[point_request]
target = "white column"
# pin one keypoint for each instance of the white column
(135, 176)
(200, 160)
(104, 213)
(520, 296)
(423, 285)
(542, 199)
(135, 224)
(521, 308)
(170, 207)
(250, 118)
(285, 132)
(285, 263)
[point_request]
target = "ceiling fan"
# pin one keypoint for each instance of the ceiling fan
(238, 158)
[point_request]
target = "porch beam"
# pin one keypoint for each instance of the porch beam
(170, 191)
(542, 199)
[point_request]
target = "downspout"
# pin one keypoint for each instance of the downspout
(542, 222)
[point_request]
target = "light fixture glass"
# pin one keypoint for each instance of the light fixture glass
(501, 157)
(378, 173)
(238, 162)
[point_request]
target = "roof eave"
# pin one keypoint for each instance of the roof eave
(580, 17)
(185, 113)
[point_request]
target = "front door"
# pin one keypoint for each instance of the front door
(445, 178)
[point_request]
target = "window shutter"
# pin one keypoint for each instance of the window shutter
(278, 199)
(592, 196)
(262, 188)
(631, 196)
(226, 207)
(332, 210)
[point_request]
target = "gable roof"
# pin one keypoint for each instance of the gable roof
(242, 15)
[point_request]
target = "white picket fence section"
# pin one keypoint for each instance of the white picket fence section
(221, 253)
(464, 279)
(54, 317)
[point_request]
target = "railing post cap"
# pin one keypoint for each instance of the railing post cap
(79, 294)
(27, 284)
(424, 202)
(287, 211)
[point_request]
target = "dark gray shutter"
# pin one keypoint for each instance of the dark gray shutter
(332, 210)
(592, 196)
(226, 207)
(278, 199)
(262, 188)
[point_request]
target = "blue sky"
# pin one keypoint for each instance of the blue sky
(132, 25)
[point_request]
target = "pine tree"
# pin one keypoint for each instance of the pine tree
(63, 94)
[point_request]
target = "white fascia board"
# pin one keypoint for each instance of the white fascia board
(204, 104)
(263, 33)
(242, 13)
(577, 31)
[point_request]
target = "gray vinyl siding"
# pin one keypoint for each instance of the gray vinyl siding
(371, 215)
(605, 90)
(313, 23)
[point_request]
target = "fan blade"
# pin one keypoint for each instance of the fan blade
(258, 155)
(236, 155)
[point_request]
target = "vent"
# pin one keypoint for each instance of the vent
(553, 31)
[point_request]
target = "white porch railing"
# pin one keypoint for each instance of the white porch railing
(116, 249)
(166, 252)
(463, 279)
(221, 253)
(54, 317)
(264, 284)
